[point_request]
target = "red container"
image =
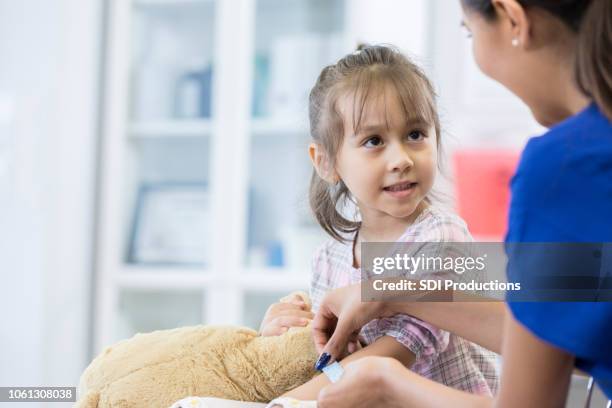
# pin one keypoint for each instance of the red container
(482, 187)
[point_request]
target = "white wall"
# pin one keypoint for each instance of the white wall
(475, 110)
(49, 54)
(402, 24)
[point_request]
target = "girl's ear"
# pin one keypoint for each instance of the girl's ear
(321, 164)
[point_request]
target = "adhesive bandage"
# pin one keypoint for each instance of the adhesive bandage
(333, 372)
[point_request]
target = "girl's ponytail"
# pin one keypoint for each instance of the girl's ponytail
(323, 202)
(594, 55)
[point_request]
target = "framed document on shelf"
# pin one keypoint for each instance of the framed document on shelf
(171, 224)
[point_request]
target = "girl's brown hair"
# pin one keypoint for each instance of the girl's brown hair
(592, 21)
(360, 75)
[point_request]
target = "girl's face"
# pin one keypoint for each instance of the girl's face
(389, 162)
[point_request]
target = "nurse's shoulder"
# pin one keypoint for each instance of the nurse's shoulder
(562, 189)
(573, 154)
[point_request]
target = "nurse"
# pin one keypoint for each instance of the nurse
(556, 55)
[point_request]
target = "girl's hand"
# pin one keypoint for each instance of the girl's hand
(365, 383)
(293, 312)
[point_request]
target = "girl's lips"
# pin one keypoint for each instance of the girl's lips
(400, 190)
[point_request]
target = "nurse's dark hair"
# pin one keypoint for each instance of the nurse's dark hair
(361, 76)
(592, 21)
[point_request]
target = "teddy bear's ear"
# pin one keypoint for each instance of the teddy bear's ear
(89, 400)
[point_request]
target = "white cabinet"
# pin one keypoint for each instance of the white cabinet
(203, 193)
(204, 214)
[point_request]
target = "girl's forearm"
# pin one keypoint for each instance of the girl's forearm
(478, 322)
(385, 347)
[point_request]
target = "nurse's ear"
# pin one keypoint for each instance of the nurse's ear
(515, 21)
(322, 164)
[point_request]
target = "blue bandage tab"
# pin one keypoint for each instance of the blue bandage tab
(333, 372)
(37, 394)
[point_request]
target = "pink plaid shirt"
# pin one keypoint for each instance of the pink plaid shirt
(440, 356)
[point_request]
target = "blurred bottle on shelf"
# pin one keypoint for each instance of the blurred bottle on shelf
(153, 91)
(300, 243)
(276, 255)
(257, 257)
(154, 74)
(261, 83)
(192, 98)
(295, 63)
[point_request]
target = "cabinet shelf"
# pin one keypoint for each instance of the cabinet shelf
(145, 277)
(274, 126)
(273, 279)
(196, 128)
(156, 3)
(191, 128)
(188, 278)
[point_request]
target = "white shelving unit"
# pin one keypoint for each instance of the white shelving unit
(148, 142)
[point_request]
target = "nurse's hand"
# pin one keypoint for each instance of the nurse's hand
(367, 382)
(340, 317)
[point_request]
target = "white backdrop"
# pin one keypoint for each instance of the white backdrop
(49, 53)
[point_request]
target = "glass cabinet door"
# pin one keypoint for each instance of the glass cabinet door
(255, 305)
(294, 39)
(143, 311)
(156, 218)
(167, 185)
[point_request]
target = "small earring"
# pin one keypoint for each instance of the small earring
(515, 42)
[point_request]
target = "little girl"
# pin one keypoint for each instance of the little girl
(376, 143)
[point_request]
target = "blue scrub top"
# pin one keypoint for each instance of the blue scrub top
(562, 192)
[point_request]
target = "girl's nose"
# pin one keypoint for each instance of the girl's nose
(399, 161)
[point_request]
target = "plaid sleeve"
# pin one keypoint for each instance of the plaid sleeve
(443, 236)
(421, 338)
(444, 227)
(318, 281)
(426, 341)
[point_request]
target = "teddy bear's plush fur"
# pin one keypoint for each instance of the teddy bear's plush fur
(156, 369)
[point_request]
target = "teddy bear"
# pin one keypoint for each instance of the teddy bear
(158, 368)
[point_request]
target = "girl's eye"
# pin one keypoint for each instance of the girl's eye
(415, 136)
(373, 141)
